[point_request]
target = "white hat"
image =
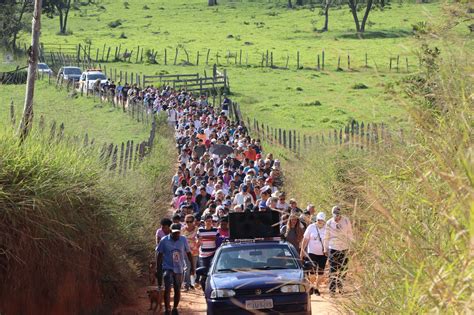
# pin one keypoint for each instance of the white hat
(321, 216)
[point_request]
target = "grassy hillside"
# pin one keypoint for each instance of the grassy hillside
(79, 115)
(254, 25)
(79, 235)
(282, 98)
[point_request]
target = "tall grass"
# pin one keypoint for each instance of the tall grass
(64, 221)
(416, 237)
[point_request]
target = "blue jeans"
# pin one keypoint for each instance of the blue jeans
(204, 262)
(187, 270)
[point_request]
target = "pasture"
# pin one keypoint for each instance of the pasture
(303, 99)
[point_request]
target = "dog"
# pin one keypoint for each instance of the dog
(152, 272)
(156, 297)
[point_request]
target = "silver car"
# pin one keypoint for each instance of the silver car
(70, 73)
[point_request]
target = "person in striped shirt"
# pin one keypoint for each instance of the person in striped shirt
(207, 239)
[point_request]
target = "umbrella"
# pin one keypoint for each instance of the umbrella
(221, 149)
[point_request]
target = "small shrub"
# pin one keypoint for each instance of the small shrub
(230, 36)
(325, 120)
(145, 7)
(420, 28)
(123, 35)
(126, 5)
(360, 86)
(115, 24)
(299, 89)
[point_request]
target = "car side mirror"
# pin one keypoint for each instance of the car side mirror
(202, 271)
(308, 265)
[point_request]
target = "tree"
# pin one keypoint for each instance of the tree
(212, 2)
(290, 5)
(33, 53)
(61, 8)
(326, 15)
(354, 5)
(11, 20)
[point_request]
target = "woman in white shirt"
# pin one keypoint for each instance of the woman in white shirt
(312, 247)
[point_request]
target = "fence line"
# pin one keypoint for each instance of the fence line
(320, 60)
(359, 135)
(116, 158)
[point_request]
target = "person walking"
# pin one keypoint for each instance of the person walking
(172, 251)
(190, 232)
(163, 231)
(207, 239)
(293, 231)
(337, 242)
(312, 247)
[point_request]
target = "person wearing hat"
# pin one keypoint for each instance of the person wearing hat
(312, 247)
(337, 242)
(172, 251)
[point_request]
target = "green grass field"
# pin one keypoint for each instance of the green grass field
(79, 115)
(306, 100)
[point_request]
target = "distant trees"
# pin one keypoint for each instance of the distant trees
(212, 3)
(12, 13)
(61, 8)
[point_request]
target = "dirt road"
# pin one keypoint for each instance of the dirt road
(193, 303)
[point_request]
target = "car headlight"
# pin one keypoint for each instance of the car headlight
(222, 293)
(293, 288)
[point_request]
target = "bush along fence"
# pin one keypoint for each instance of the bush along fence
(363, 136)
(116, 158)
(17, 76)
(322, 60)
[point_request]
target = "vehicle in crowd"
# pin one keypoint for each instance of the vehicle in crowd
(44, 69)
(70, 73)
(90, 78)
(256, 277)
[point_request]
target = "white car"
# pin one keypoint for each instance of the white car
(44, 68)
(89, 78)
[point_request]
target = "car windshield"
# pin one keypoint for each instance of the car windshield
(255, 258)
(96, 76)
(42, 66)
(72, 71)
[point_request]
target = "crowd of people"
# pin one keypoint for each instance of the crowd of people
(221, 169)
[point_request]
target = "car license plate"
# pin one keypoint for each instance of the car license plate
(258, 304)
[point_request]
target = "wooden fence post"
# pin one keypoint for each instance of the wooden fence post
(12, 113)
(323, 60)
(298, 60)
(284, 138)
(113, 165)
(290, 140)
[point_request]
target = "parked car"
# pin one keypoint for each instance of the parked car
(70, 73)
(263, 277)
(44, 68)
(89, 78)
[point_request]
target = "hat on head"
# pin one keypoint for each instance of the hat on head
(215, 218)
(175, 227)
(321, 216)
(227, 202)
(208, 216)
(336, 210)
